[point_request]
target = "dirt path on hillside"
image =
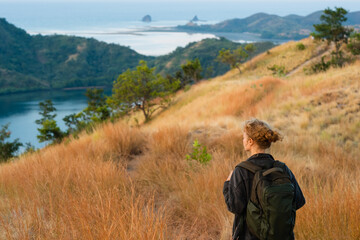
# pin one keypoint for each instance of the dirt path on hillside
(320, 52)
(133, 164)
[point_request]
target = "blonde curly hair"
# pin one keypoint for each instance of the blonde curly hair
(261, 132)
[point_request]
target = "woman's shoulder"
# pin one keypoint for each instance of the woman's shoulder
(246, 169)
(286, 168)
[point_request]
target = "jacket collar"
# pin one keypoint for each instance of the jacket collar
(263, 160)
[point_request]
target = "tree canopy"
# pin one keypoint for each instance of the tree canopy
(141, 89)
(49, 130)
(192, 70)
(235, 57)
(332, 30)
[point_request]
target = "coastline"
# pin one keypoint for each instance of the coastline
(83, 88)
(23, 91)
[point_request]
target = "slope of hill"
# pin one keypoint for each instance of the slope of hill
(124, 182)
(52, 62)
(207, 51)
(270, 26)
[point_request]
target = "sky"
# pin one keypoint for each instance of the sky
(204, 1)
(289, 5)
(279, 7)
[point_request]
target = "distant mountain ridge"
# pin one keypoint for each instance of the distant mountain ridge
(271, 26)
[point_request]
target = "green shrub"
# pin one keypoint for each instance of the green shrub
(300, 46)
(354, 45)
(199, 153)
(321, 66)
(277, 70)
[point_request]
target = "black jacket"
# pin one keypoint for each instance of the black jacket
(237, 193)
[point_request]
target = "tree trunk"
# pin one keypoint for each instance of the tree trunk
(337, 48)
(238, 67)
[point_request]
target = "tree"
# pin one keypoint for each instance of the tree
(49, 131)
(7, 149)
(250, 48)
(177, 78)
(75, 122)
(192, 70)
(46, 108)
(141, 90)
(97, 109)
(235, 57)
(332, 30)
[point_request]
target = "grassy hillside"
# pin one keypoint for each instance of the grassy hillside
(125, 182)
(207, 51)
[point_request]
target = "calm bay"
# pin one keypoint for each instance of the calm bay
(22, 109)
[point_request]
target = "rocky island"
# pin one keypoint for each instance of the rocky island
(146, 18)
(195, 19)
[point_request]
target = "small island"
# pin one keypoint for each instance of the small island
(195, 19)
(191, 24)
(146, 18)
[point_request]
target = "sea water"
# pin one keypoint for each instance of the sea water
(22, 110)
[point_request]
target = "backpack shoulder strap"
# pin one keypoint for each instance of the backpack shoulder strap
(249, 166)
(271, 170)
(277, 163)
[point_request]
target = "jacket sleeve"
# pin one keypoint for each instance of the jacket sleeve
(234, 193)
(299, 197)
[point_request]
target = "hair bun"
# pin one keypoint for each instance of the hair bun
(269, 135)
(261, 133)
(272, 136)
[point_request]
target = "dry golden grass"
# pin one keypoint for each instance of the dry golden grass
(204, 102)
(329, 179)
(286, 55)
(74, 191)
(124, 182)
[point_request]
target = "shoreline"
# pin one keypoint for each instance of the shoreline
(81, 88)
(53, 89)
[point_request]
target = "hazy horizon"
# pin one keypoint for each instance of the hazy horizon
(234, 9)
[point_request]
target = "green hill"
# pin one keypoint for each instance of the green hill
(53, 62)
(43, 62)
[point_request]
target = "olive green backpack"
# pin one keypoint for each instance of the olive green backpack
(270, 213)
